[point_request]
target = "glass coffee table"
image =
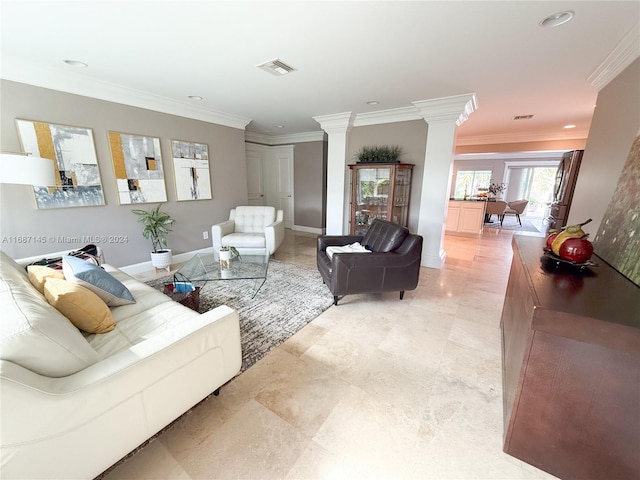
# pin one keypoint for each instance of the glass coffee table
(203, 268)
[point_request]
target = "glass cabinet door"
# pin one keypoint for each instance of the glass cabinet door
(379, 191)
(371, 196)
(401, 196)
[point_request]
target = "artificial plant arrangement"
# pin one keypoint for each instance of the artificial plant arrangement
(496, 188)
(382, 154)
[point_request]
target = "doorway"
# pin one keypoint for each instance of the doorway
(533, 183)
(270, 178)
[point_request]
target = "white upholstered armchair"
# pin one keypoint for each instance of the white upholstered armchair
(251, 229)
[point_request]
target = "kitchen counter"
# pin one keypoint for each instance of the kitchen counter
(465, 217)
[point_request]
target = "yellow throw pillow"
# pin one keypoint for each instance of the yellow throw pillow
(38, 274)
(80, 305)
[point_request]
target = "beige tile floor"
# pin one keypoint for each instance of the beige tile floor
(375, 388)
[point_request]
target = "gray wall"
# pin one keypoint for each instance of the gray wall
(20, 218)
(411, 136)
(309, 184)
(615, 125)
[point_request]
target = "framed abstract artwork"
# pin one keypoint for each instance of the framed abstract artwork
(73, 152)
(617, 240)
(191, 170)
(137, 163)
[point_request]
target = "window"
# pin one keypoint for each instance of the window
(468, 182)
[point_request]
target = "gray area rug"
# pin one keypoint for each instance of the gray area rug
(511, 223)
(291, 297)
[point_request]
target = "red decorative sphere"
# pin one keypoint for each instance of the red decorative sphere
(577, 250)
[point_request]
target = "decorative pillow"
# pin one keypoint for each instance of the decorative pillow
(80, 305)
(39, 274)
(93, 277)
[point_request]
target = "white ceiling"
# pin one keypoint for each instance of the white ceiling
(156, 54)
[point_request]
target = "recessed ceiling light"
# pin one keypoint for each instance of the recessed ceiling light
(279, 126)
(373, 102)
(76, 63)
(569, 126)
(195, 97)
(557, 19)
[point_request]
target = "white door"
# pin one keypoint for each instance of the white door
(284, 188)
(255, 181)
(270, 178)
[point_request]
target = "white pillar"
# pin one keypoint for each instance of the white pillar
(442, 115)
(337, 127)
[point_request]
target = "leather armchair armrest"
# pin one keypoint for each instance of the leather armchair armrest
(325, 241)
(371, 260)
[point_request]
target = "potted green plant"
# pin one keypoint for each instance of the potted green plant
(156, 224)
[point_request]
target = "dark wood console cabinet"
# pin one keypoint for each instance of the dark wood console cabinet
(571, 367)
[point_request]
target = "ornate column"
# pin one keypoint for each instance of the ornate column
(337, 127)
(442, 115)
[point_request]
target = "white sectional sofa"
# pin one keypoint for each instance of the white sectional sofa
(74, 403)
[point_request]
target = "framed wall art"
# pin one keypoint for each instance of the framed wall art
(137, 163)
(73, 152)
(617, 240)
(191, 170)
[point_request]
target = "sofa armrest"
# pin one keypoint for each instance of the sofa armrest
(274, 234)
(29, 260)
(35, 406)
(218, 231)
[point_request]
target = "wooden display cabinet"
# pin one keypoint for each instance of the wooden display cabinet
(379, 190)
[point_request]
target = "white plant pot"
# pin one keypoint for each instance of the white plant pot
(162, 259)
(225, 259)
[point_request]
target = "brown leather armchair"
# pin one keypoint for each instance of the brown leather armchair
(393, 264)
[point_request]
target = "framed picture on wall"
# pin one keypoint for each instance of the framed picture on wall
(191, 170)
(137, 163)
(73, 152)
(617, 240)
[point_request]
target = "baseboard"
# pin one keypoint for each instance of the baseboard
(433, 261)
(302, 228)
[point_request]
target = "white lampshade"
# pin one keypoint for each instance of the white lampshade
(26, 170)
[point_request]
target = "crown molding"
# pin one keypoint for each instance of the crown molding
(282, 139)
(456, 107)
(392, 115)
(90, 87)
(620, 58)
(551, 156)
(336, 123)
(521, 137)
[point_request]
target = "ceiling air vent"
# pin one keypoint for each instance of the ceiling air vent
(523, 117)
(276, 67)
